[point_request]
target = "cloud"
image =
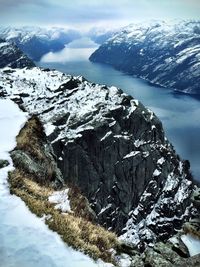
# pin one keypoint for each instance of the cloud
(7, 4)
(93, 12)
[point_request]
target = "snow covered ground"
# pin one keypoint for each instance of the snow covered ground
(24, 239)
(192, 243)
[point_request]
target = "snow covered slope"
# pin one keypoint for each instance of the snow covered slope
(166, 54)
(36, 41)
(11, 56)
(112, 148)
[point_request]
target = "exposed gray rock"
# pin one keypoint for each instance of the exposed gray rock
(137, 261)
(166, 250)
(191, 262)
(193, 225)
(40, 170)
(3, 163)
(196, 198)
(154, 259)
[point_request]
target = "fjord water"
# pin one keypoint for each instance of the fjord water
(179, 113)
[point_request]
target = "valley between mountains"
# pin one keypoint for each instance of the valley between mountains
(94, 163)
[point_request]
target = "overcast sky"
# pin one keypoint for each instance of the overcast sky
(82, 13)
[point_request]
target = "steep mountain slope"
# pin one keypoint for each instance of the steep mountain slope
(11, 56)
(36, 41)
(162, 53)
(111, 147)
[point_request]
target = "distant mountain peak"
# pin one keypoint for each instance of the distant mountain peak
(12, 56)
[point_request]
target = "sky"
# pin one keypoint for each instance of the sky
(84, 14)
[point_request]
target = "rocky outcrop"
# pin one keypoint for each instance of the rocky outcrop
(111, 147)
(193, 225)
(166, 54)
(34, 155)
(3, 163)
(11, 56)
(163, 255)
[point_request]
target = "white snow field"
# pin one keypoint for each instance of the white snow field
(25, 240)
(192, 243)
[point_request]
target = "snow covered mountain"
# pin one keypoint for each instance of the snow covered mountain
(111, 147)
(166, 54)
(36, 41)
(11, 56)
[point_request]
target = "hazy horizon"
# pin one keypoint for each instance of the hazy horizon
(84, 15)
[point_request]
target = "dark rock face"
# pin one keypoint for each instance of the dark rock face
(3, 163)
(101, 164)
(166, 55)
(11, 56)
(113, 149)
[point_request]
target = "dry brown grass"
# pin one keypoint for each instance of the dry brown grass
(30, 138)
(80, 204)
(192, 228)
(77, 232)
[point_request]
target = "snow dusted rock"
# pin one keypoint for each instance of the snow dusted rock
(166, 54)
(11, 56)
(36, 41)
(112, 148)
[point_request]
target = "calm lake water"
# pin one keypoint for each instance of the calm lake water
(179, 113)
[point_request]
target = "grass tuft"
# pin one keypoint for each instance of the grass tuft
(30, 138)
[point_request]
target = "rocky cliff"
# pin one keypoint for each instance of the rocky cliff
(111, 147)
(11, 56)
(166, 54)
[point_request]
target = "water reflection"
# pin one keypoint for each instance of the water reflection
(78, 50)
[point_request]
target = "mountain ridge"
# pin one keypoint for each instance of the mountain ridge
(166, 54)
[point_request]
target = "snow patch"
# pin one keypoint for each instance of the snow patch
(49, 128)
(156, 173)
(61, 199)
(131, 154)
(161, 161)
(192, 243)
